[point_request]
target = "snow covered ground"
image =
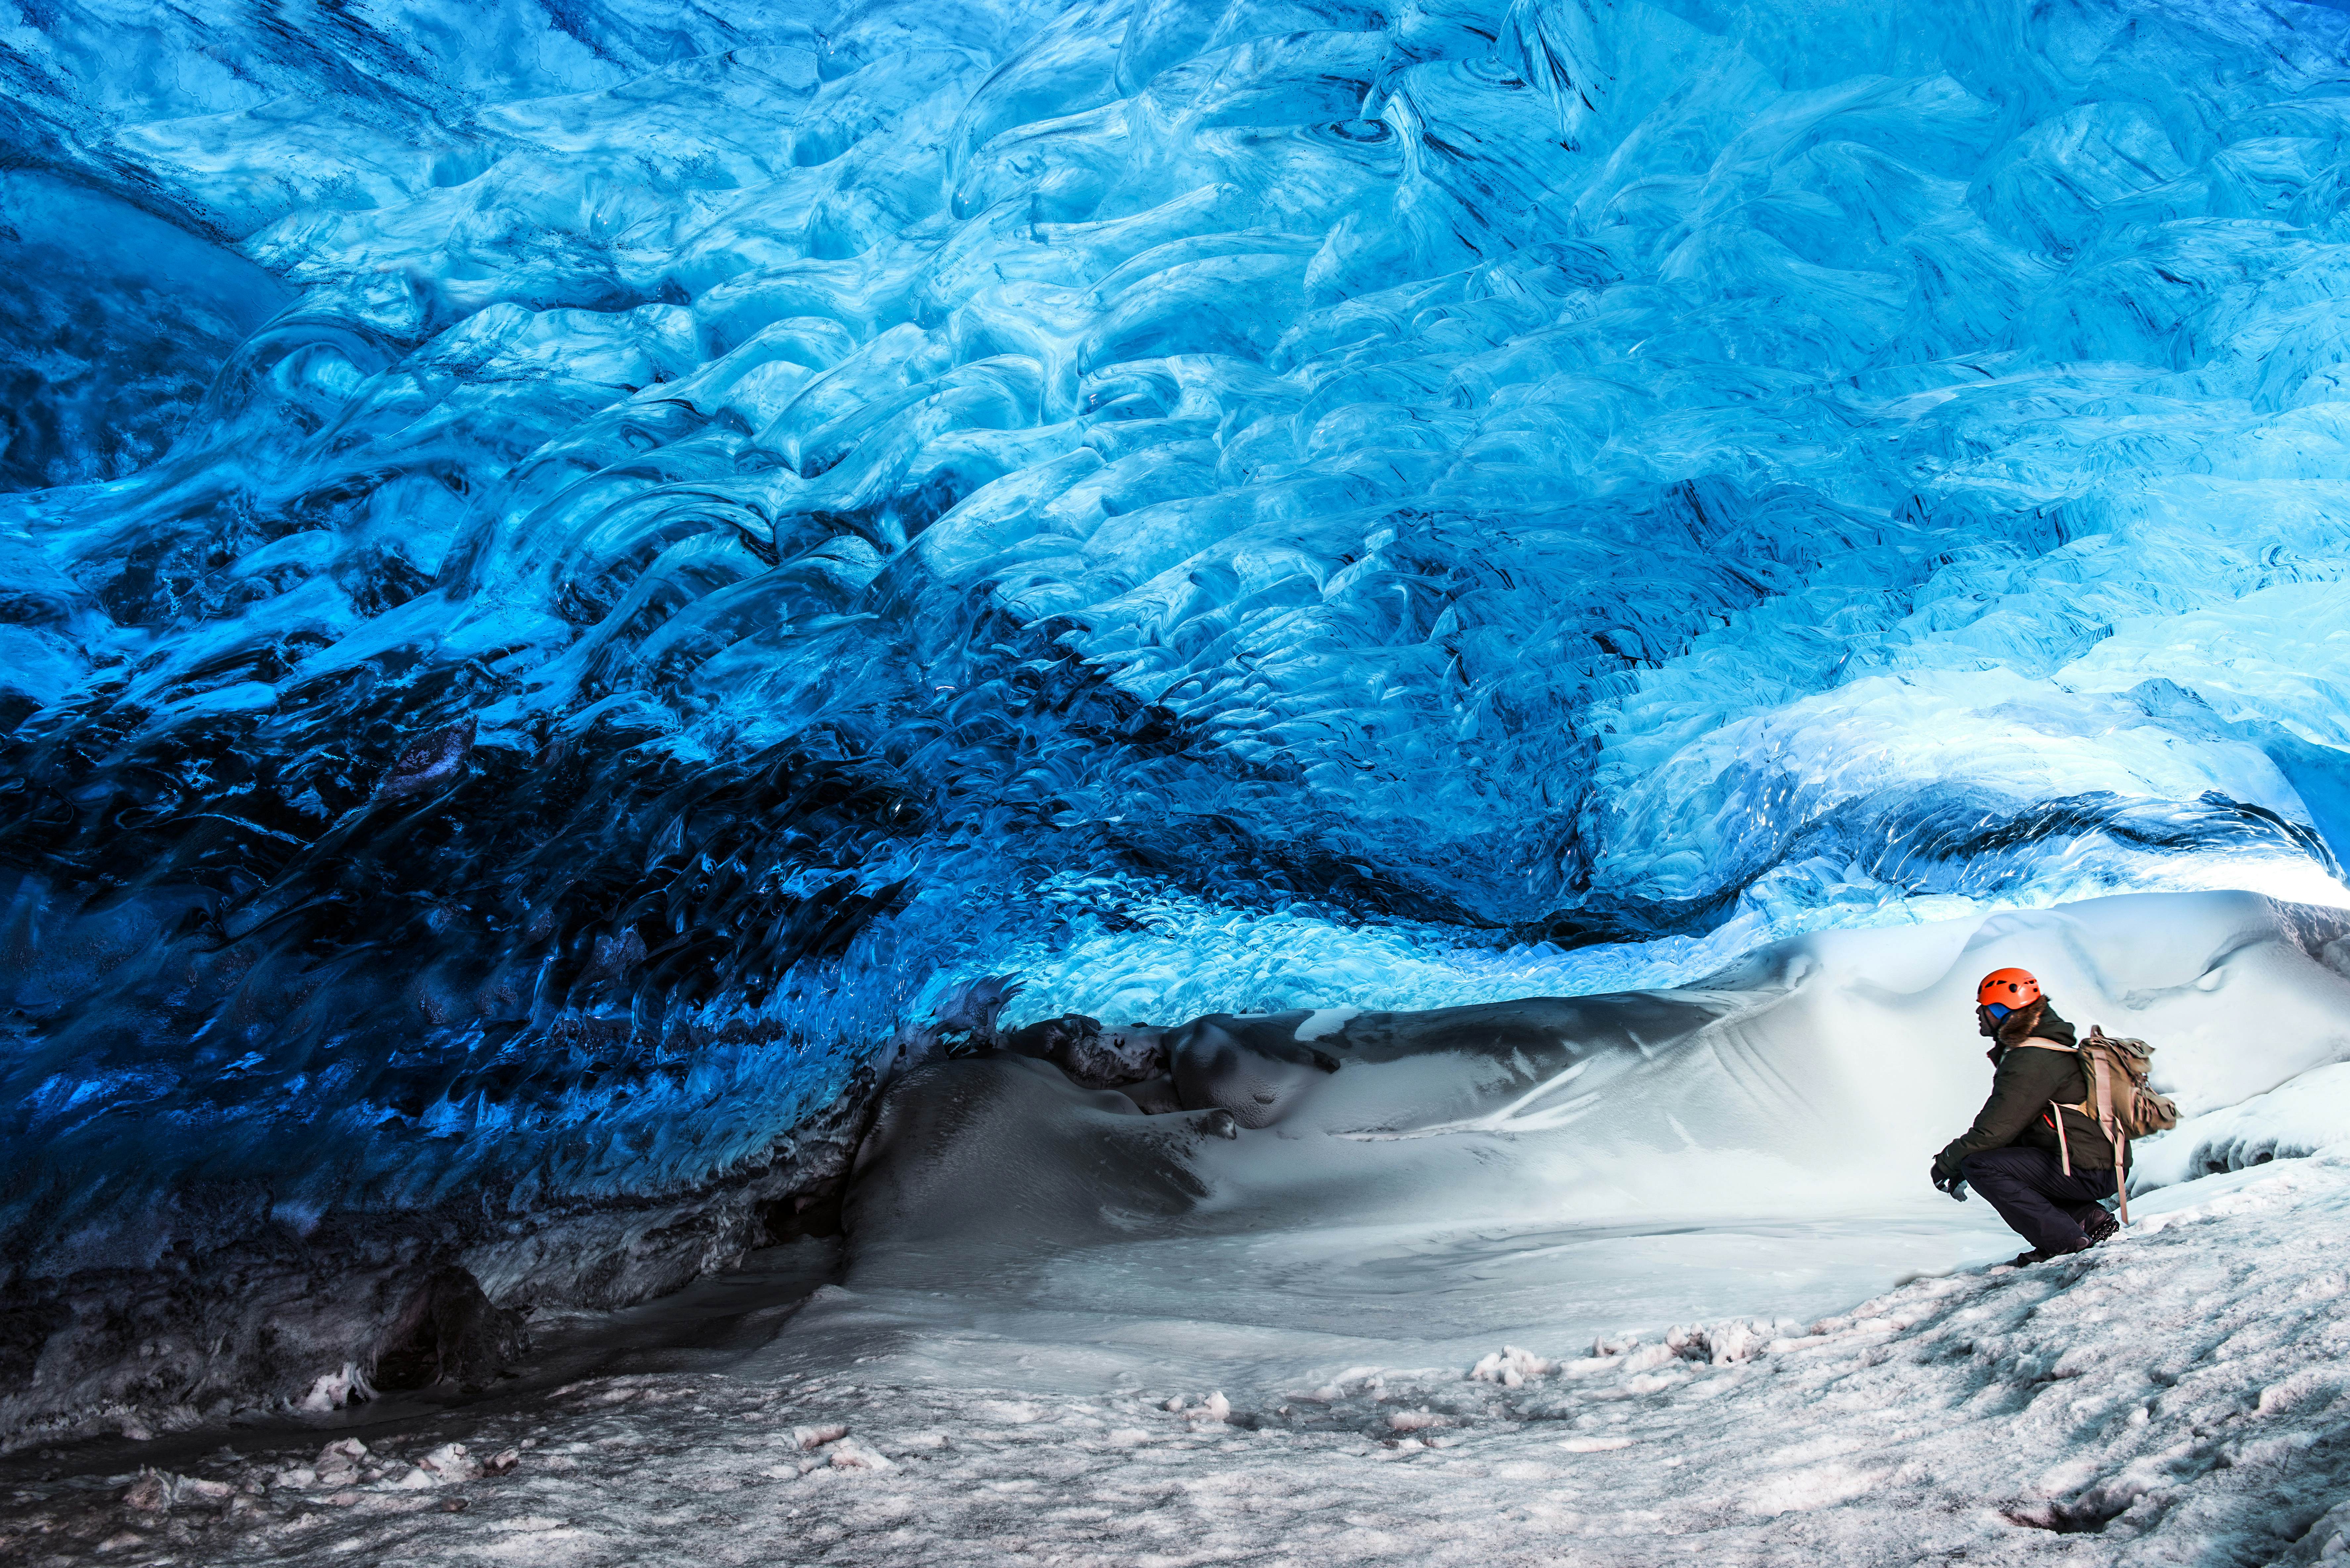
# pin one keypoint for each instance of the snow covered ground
(1433, 1313)
(2175, 1397)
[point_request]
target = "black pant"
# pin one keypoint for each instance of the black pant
(2038, 1200)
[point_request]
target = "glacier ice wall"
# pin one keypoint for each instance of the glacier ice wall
(565, 565)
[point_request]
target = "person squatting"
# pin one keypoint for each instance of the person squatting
(2052, 1142)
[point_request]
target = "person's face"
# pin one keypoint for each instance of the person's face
(1988, 1017)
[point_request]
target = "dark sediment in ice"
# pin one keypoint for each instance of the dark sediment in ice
(236, 1308)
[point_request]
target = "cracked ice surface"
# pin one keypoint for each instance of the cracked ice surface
(686, 528)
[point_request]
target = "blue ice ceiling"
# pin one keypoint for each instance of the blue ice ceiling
(566, 566)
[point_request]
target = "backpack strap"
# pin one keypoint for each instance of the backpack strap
(2102, 1072)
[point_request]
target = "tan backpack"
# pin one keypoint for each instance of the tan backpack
(2119, 1100)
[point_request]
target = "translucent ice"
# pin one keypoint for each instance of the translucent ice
(686, 530)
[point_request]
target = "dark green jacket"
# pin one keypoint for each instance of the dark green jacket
(2025, 1081)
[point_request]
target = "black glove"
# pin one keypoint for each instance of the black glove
(1956, 1186)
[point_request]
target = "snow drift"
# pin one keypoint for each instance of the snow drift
(1481, 1169)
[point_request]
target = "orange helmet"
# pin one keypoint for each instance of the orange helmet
(2008, 988)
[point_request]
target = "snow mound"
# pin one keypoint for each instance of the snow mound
(2309, 1114)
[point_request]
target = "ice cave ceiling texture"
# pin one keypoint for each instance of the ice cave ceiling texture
(563, 562)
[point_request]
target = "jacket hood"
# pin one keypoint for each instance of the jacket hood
(2038, 1021)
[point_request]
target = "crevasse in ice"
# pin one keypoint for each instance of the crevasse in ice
(567, 567)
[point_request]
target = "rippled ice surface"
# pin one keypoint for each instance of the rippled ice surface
(565, 568)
